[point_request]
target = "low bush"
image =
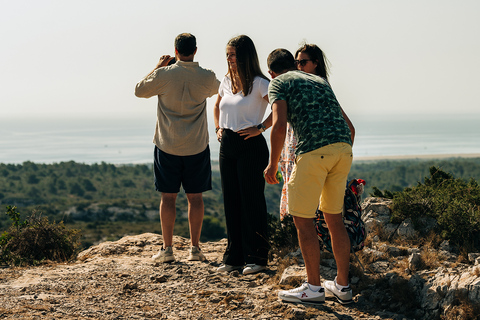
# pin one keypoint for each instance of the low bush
(35, 240)
(453, 203)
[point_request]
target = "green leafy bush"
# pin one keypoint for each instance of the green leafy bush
(35, 239)
(453, 203)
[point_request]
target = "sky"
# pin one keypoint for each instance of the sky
(68, 59)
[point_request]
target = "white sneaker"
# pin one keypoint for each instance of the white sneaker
(344, 296)
(253, 268)
(228, 268)
(302, 294)
(196, 254)
(164, 255)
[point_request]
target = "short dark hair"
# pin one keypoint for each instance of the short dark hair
(185, 43)
(280, 60)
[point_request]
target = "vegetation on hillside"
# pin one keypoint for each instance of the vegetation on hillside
(396, 175)
(107, 201)
(454, 205)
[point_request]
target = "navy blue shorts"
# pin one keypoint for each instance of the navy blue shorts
(194, 172)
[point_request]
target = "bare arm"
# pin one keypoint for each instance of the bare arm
(216, 117)
(277, 139)
(254, 131)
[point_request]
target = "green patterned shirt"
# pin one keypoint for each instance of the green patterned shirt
(312, 110)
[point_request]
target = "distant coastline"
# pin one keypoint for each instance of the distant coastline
(215, 166)
(420, 157)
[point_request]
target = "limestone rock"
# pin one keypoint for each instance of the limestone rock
(293, 275)
(414, 261)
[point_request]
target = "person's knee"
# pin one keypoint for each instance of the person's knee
(195, 199)
(169, 198)
(303, 224)
(335, 223)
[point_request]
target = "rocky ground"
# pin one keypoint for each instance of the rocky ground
(118, 280)
(400, 279)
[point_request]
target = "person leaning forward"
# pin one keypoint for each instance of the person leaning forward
(181, 152)
(323, 160)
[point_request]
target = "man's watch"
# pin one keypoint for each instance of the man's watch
(261, 127)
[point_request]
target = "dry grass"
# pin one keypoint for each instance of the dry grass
(282, 264)
(476, 272)
(463, 309)
(430, 259)
(377, 230)
(400, 267)
(433, 240)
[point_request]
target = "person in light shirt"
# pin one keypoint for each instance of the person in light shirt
(238, 114)
(181, 154)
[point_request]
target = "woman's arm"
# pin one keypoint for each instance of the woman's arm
(254, 131)
(216, 117)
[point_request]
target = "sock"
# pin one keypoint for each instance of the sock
(340, 287)
(314, 288)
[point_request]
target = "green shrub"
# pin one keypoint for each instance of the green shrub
(453, 203)
(35, 239)
(381, 194)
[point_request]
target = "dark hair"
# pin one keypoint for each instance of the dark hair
(316, 55)
(185, 43)
(280, 60)
(248, 66)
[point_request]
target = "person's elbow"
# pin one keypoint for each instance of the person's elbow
(279, 128)
(141, 92)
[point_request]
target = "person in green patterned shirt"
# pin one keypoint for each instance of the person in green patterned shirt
(323, 160)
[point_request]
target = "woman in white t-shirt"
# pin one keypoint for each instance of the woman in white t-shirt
(238, 114)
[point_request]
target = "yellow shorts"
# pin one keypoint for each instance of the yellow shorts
(319, 176)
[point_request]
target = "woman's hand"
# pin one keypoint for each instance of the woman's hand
(249, 132)
(219, 134)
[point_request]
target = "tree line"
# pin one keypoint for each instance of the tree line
(109, 201)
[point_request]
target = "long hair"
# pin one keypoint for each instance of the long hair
(316, 55)
(248, 66)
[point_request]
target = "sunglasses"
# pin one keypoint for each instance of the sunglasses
(302, 62)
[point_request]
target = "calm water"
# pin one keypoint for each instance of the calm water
(130, 140)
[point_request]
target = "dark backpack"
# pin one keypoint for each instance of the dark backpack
(352, 218)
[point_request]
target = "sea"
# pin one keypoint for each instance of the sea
(129, 140)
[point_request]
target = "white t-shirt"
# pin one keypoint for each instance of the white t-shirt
(238, 112)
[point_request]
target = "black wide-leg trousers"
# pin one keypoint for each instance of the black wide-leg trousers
(241, 167)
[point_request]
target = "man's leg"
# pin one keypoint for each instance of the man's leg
(195, 217)
(340, 246)
(307, 238)
(167, 217)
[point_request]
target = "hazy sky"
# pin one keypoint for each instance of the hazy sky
(83, 58)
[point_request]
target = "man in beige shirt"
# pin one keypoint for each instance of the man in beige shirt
(182, 155)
